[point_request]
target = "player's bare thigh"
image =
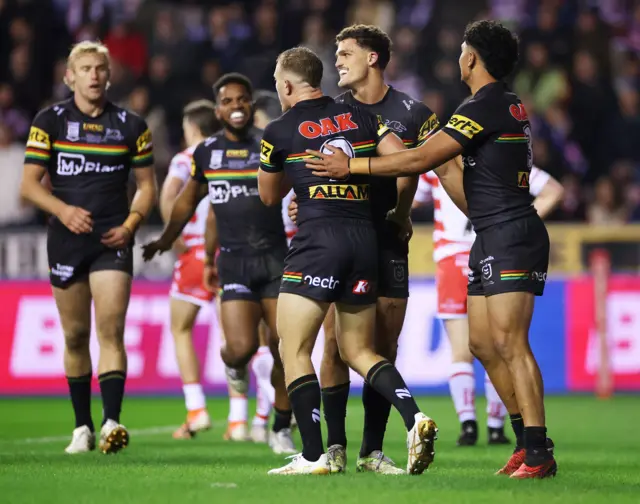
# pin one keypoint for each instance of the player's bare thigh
(510, 315)
(74, 308)
(111, 291)
(240, 320)
(298, 321)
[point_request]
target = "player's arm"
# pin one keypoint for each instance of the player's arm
(183, 209)
(450, 175)
(173, 184)
(547, 190)
(211, 237)
(272, 185)
(37, 158)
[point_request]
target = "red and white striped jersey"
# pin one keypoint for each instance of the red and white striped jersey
(180, 168)
(289, 227)
(452, 233)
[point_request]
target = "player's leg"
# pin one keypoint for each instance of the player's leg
(183, 315)
(240, 319)
(111, 290)
(334, 377)
(462, 383)
(356, 344)
(298, 322)
(74, 307)
(496, 414)
(390, 314)
(280, 440)
(262, 365)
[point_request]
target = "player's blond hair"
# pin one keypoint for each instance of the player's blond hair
(82, 48)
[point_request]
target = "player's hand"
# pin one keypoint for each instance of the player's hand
(292, 209)
(157, 246)
(335, 166)
(76, 219)
(403, 222)
(210, 277)
(117, 237)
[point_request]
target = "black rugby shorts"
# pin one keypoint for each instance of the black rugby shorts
(333, 260)
(73, 257)
(250, 277)
(510, 257)
(393, 262)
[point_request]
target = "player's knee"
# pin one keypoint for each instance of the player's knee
(77, 338)
(238, 353)
(509, 345)
(111, 335)
(484, 351)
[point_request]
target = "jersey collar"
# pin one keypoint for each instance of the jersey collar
(314, 102)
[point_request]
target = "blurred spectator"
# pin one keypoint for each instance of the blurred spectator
(627, 131)
(127, 47)
(263, 49)
(13, 210)
(547, 31)
(121, 81)
(60, 90)
(316, 38)
(374, 12)
(10, 115)
(404, 80)
(539, 83)
(139, 103)
(572, 207)
(591, 35)
(220, 44)
(607, 207)
(168, 41)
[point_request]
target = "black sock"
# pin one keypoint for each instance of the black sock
(535, 442)
(386, 379)
(304, 394)
(518, 429)
(334, 400)
(112, 390)
(80, 392)
(376, 415)
(281, 420)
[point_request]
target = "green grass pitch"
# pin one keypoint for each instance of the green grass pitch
(597, 448)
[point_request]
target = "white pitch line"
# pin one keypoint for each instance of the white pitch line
(149, 431)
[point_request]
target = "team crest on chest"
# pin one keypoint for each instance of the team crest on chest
(73, 131)
(216, 159)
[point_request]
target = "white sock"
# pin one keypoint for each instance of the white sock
(194, 396)
(237, 409)
(261, 365)
(462, 385)
(496, 411)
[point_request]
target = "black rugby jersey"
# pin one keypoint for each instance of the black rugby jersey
(89, 158)
(230, 170)
(314, 124)
(412, 121)
(494, 130)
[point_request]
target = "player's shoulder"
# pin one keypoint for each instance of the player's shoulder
(212, 142)
(280, 127)
(124, 115)
(54, 110)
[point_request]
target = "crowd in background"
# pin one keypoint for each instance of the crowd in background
(578, 76)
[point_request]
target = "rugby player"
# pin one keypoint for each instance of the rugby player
(188, 293)
(332, 257)
(510, 255)
(88, 146)
(251, 239)
(452, 240)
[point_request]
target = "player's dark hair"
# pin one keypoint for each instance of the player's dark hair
(304, 63)
(496, 45)
(269, 103)
(232, 78)
(202, 113)
(369, 37)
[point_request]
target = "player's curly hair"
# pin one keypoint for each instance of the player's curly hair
(232, 78)
(496, 45)
(369, 37)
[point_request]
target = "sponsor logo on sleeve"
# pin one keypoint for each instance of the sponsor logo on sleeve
(464, 125)
(265, 151)
(38, 139)
(144, 142)
(428, 127)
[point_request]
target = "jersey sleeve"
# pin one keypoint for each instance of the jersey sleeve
(180, 167)
(426, 124)
(41, 137)
(469, 123)
(537, 180)
(272, 153)
(142, 152)
(197, 170)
